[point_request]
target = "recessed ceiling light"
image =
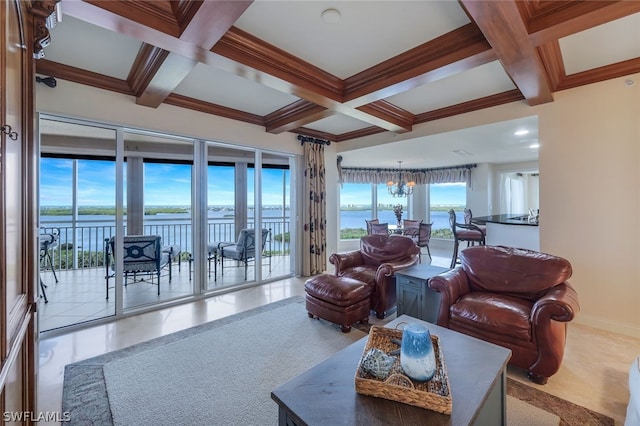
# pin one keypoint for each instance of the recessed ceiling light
(521, 132)
(629, 82)
(330, 16)
(534, 145)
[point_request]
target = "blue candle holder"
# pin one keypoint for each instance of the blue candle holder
(417, 358)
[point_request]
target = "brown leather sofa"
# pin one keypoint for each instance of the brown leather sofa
(375, 263)
(515, 298)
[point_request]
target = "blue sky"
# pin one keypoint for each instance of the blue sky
(165, 184)
(360, 194)
(169, 185)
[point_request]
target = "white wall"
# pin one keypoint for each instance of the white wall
(84, 102)
(589, 191)
(589, 175)
(590, 197)
(480, 190)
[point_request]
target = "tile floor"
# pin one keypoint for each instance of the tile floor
(80, 295)
(594, 372)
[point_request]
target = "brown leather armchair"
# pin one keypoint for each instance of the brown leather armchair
(375, 264)
(515, 298)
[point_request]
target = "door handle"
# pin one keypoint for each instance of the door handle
(6, 129)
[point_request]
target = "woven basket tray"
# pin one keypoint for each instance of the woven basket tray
(434, 394)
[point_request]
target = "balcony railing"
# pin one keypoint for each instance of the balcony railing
(82, 246)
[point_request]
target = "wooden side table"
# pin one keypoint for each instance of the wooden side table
(414, 297)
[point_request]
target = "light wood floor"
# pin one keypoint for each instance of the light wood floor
(594, 372)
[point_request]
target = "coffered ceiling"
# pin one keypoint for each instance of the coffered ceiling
(367, 67)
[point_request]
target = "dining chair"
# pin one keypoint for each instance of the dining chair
(379, 228)
(470, 233)
(411, 228)
(424, 237)
(468, 218)
(369, 223)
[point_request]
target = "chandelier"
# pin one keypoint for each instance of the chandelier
(400, 188)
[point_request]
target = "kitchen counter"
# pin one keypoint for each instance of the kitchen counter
(505, 219)
(502, 232)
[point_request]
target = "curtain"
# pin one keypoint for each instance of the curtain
(314, 234)
(512, 194)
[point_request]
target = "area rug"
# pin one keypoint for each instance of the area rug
(203, 374)
(570, 414)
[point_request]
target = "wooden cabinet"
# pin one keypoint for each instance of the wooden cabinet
(414, 298)
(22, 26)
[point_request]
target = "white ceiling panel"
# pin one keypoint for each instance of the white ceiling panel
(605, 44)
(368, 32)
(219, 87)
(82, 45)
(493, 143)
(481, 81)
(337, 124)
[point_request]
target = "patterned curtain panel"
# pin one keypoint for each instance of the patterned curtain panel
(314, 234)
(420, 177)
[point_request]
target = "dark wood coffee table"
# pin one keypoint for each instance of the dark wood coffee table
(326, 395)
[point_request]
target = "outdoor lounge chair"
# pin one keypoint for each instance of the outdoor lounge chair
(143, 256)
(244, 250)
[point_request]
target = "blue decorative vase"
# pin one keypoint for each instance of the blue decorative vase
(417, 358)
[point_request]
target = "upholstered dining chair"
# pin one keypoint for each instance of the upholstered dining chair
(468, 218)
(424, 237)
(380, 228)
(369, 223)
(463, 232)
(411, 227)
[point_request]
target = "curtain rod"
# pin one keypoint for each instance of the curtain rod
(304, 139)
(367, 169)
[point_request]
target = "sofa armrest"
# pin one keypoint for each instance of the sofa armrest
(451, 285)
(346, 260)
(549, 316)
(387, 269)
(560, 303)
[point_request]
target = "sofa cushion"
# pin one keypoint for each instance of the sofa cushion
(365, 274)
(494, 313)
(507, 269)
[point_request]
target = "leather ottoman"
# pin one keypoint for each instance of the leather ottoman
(340, 300)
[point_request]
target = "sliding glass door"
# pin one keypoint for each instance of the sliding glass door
(158, 195)
(77, 197)
(138, 219)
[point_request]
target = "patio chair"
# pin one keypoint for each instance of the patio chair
(47, 243)
(142, 256)
(244, 250)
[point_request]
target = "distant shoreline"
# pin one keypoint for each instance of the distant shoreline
(149, 211)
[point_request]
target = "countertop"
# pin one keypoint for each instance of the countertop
(505, 219)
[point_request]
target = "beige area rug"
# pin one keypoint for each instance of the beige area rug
(570, 414)
(223, 371)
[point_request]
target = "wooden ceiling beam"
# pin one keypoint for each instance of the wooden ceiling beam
(249, 57)
(295, 115)
(563, 18)
(301, 78)
(156, 75)
(502, 25)
(459, 50)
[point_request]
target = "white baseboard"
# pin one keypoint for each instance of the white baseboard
(603, 324)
